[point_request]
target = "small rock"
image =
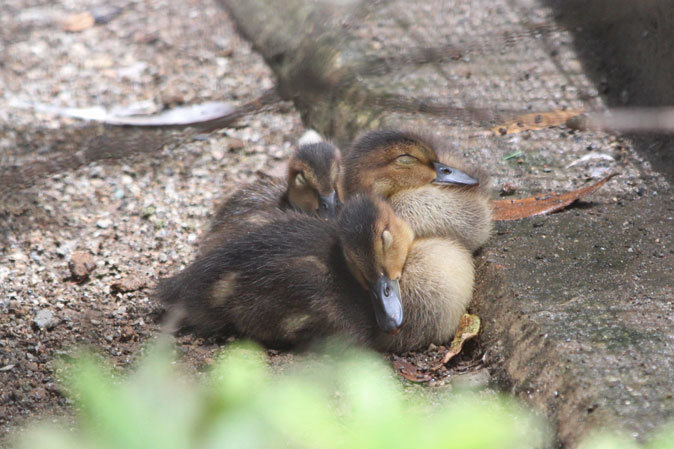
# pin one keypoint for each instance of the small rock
(105, 13)
(78, 22)
(172, 96)
(127, 333)
(473, 380)
(45, 319)
(128, 284)
(18, 256)
(235, 144)
(507, 189)
(149, 211)
(103, 223)
(16, 309)
(120, 312)
(40, 394)
(32, 366)
(81, 264)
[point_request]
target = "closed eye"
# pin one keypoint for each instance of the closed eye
(300, 180)
(406, 159)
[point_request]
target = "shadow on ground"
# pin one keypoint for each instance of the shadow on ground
(627, 48)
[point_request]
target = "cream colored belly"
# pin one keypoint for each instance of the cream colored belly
(436, 287)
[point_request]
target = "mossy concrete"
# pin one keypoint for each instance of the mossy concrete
(582, 321)
(578, 307)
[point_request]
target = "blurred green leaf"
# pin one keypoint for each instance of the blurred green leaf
(348, 401)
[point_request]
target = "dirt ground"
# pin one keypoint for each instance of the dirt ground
(136, 221)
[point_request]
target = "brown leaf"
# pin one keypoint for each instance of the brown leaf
(536, 120)
(504, 210)
(409, 371)
(469, 326)
(78, 22)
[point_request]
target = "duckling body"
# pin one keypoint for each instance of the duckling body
(283, 284)
(429, 188)
(299, 278)
(310, 187)
(436, 287)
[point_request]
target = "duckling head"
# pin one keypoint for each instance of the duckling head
(313, 173)
(375, 243)
(388, 161)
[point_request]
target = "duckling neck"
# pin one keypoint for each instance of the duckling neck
(382, 186)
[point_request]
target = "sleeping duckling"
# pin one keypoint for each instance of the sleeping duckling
(436, 287)
(300, 278)
(310, 186)
(423, 185)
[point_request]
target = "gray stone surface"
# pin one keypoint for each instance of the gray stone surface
(45, 319)
(578, 306)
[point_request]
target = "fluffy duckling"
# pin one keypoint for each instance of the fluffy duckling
(423, 185)
(300, 278)
(436, 287)
(310, 186)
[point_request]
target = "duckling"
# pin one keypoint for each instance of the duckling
(310, 186)
(423, 185)
(436, 287)
(300, 278)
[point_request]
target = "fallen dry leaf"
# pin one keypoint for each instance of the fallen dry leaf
(504, 210)
(135, 115)
(78, 22)
(469, 326)
(536, 120)
(409, 371)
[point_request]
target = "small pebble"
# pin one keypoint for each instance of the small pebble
(103, 223)
(128, 284)
(81, 264)
(45, 319)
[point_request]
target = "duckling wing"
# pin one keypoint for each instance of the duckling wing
(249, 207)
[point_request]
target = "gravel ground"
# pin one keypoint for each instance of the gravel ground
(135, 222)
(126, 225)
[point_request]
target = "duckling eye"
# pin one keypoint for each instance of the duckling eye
(387, 239)
(300, 180)
(387, 291)
(406, 159)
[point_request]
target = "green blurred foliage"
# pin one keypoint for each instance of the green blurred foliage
(349, 401)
